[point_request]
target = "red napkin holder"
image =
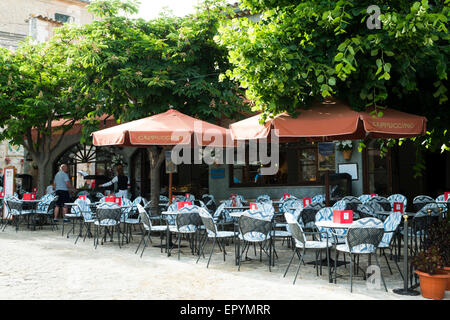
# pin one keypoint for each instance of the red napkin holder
(29, 196)
(285, 196)
(374, 195)
(34, 190)
(110, 199)
(187, 195)
(183, 204)
(446, 196)
(118, 200)
(306, 202)
(82, 198)
(253, 206)
(2, 195)
(342, 216)
(174, 198)
(398, 207)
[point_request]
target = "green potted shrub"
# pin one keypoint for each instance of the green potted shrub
(433, 280)
(439, 236)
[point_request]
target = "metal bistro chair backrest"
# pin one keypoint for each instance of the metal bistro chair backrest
(253, 227)
(82, 205)
(263, 198)
(295, 229)
(210, 202)
(382, 201)
(390, 226)
(108, 213)
(351, 202)
(188, 218)
(371, 208)
(308, 214)
(326, 214)
(283, 199)
(14, 206)
(366, 211)
(398, 198)
(420, 201)
(290, 205)
(339, 205)
(319, 198)
(365, 235)
(208, 222)
(144, 218)
(222, 213)
(442, 205)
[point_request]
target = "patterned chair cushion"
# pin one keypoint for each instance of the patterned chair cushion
(441, 205)
(364, 198)
(319, 198)
(390, 226)
(339, 205)
(398, 198)
(291, 205)
(254, 237)
(326, 214)
(362, 246)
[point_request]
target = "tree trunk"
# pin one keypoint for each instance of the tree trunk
(156, 156)
(41, 183)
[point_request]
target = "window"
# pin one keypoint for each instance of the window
(298, 165)
(62, 18)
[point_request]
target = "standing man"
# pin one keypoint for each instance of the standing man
(62, 187)
(123, 183)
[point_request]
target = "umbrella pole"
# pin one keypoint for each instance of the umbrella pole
(170, 188)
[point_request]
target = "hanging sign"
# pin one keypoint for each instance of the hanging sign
(170, 166)
(8, 187)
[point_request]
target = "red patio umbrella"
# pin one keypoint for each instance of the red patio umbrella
(165, 129)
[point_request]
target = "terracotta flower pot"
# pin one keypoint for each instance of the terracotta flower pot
(447, 269)
(433, 286)
(347, 154)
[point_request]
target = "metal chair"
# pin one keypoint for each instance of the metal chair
(83, 208)
(214, 233)
(390, 225)
(107, 216)
(301, 244)
(187, 222)
(420, 201)
(147, 228)
(254, 229)
(15, 208)
(363, 237)
(382, 201)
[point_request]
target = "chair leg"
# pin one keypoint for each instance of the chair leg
(290, 261)
(299, 264)
(212, 250)
(351, 272)
(387, 262)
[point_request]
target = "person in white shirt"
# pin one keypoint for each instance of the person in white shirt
(123, 183)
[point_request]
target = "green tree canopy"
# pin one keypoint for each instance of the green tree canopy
(301, 50)
(135, 68)
(35, 90)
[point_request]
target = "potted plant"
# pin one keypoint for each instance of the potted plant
(433, 280)
(346, 147)
(439, 236)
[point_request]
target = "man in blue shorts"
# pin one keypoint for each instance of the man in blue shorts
(62, 187)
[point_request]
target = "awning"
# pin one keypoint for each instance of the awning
(332, 120)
